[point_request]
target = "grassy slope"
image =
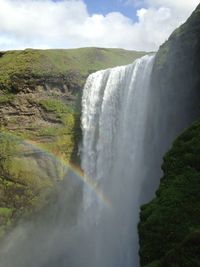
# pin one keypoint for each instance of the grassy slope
(170, 224)
(82, 61)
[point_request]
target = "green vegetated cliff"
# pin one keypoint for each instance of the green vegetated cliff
(169, 228)
(22, 70)
(170, 224)
(40, 93)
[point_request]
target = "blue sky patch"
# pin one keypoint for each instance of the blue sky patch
(106, 6)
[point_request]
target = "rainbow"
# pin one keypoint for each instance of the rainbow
(69, 166)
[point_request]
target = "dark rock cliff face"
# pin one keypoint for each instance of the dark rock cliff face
(169, 224)
(29, 83)
(176, 71)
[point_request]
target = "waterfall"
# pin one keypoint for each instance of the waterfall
(114, 123)
(115, 118)
(129, 121)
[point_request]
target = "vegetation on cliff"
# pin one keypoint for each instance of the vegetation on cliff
(170, 225)
(30, 66)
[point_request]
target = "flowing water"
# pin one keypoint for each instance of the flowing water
(114, 121)
(128, 125)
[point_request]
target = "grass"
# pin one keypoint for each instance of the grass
(74, 63)
(5, 212)
(6, 98)
(54, 105)
(25, 188)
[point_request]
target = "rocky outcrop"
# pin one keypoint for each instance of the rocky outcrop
(28, 83)
(40, 128)
(176, 69)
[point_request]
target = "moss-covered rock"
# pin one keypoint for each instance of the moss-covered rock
(170, 224)
(39, 136)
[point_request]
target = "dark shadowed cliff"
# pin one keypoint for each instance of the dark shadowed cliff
(169, 228)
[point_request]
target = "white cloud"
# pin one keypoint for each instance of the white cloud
(66, 24)
(186, 6)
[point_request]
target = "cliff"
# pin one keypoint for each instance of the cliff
(40, 92)
(169, 228)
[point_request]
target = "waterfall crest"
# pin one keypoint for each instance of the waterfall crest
(114, 123)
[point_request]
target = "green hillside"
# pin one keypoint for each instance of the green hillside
(76, 62)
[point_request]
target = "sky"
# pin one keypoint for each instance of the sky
(107, 6)
(130, 24)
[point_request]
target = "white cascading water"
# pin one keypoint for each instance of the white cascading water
(128, 124)
(114, 121)
(115, 109)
